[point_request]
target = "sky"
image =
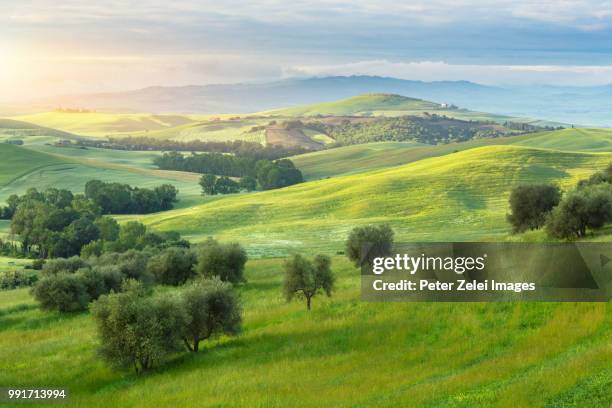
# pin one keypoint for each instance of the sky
(69, 47)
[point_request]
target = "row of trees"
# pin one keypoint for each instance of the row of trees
(268, 174)
(213, 185)
(238, 148)
(117, 198)
(586, 207)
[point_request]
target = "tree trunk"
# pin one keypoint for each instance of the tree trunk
(308, 302)
(196, 344)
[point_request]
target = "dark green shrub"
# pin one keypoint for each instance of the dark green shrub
(69, 265)
(17, 279)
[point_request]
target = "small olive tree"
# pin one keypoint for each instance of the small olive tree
(307, 278)
(223, 260)
(212, 308)
(369, 242)
(136, 330)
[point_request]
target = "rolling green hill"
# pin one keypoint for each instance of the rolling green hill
(395, 105)
(17, 162)
(212, 130)
(459, 196)
(14, 129)
(361, 104)
(24, 168)
(571, 140)
(357, 353)
(372, 156)
(99, 124)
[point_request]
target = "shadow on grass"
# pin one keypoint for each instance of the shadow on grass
(35, 323)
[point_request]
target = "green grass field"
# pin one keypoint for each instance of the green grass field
(458, 196)
(361, 104)
(373, 156)
(17, 162)
(99, 124)
(343, 353)
(71, 168)
(571, 140)
(219, 131)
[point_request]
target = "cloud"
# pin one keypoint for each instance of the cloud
(85, 44)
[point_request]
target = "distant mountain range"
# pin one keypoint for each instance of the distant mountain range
(580, 105)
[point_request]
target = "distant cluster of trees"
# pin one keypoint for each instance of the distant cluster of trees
(117, 198)
(238, 148)
(265, 173)
(212, 163)
(58, 223)
(570, 216)
(429, 129)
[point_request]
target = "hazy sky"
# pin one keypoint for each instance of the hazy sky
(58, 47)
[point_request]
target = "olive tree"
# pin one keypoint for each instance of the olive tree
(136, 330)
(588, 207)
(64, 292)
(173, 266)
(223, 260)
(307, 278)
(212, 308)
(530, 205)
(369, 242)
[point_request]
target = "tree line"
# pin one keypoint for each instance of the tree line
(117, 198)
(263, 173)
(239, 148)
(430, 129)
(568, 216)
(57, 223)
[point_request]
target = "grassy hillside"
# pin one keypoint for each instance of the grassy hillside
(17, 162)
(356, 353)
(68, 168)
(102, 124)
(571, 140)
(359, 105)
(212, 130)
(372, 156)
(459, 196)
(27, 132)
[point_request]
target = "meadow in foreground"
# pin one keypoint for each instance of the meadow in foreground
(344, 352)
